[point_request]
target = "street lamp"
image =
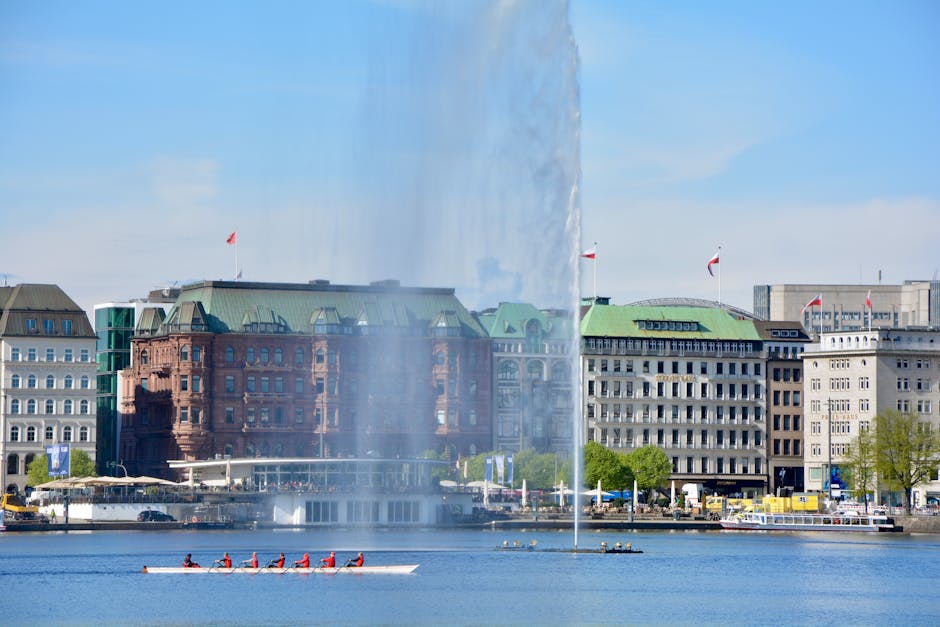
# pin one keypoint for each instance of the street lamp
(117, 465)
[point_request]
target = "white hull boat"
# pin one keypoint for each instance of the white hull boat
(400, 569)
(795, 521)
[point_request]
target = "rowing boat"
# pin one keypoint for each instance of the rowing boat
(400, 569)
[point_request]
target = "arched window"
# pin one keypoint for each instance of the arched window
(536, 370)
(66, 433)
(507, 371)
(15, 406)
(184, 353)
(229, 450)
(299, 356)
(84, 382)
(30, 433)
(278, 356)
(250, 450)
(50, 382)
(67, 406)
(68, 382)
(560, 371)
(31, 406)
(473, 450)
(83, 406)
(278, 450)
(50, 406)
(265, 449)
(83, 434)
(144, 357)
(27, 461)
(31, 382)
(15, 381)
(319, 356)
(439, 358)
(13, 464)
(50, 433)
(265, 355)
(229, 354)
(14, 433)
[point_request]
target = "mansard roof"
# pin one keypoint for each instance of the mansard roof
(666, 322)
(39, 302)
(510, 321)
(296, 308)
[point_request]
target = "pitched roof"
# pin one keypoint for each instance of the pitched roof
(228, 306)
(710, 323)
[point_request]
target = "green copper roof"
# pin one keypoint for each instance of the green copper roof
(294, 307)
(509, 320)
(626, 321)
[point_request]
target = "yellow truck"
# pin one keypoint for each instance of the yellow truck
(17, 510)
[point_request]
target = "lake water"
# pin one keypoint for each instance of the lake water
(716, 578)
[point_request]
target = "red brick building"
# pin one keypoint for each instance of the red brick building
(305, 370)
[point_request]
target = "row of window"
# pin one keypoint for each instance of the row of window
(675, 389)
(786, 447)
(843, 405)
(31, 406)
(32, 354)
(920, 384)
(626, 366)
(705, 465)
(706, 439)
(31, 382)
(646, 413)
(610, 345)
(508, 371)
(30, 433)
(787, 423)
(48, 326)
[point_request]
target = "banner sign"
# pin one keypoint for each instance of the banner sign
(488, 475)
(59, 460)
(500, 468)
(509, 469)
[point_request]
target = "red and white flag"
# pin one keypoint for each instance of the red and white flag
(712, 262)
(590, 253)
(868, 300)
(231, 239)
(816, 301)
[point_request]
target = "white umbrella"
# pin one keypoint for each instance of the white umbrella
(447, 483)
(488, 484)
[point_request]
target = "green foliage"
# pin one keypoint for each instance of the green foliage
(651, 467)
(82, 466)
(540, 470)
(906, 452)
(438, 473)
(607, 466)
(859, 465)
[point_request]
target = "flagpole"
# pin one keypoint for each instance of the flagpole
(595, 273)
(719, 276)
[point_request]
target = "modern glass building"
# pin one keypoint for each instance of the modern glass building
(114, 326)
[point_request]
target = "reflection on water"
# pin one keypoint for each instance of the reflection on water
(682, 577)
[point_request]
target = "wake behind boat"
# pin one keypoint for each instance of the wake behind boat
(399, 569)
(796, 521)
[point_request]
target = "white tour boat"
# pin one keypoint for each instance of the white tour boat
(804, 521)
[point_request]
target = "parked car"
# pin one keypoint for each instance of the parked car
(152, 515)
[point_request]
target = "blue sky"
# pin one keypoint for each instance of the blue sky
(349, 140)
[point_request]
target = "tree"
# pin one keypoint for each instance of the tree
(907, 450)
(859, 465)
(82, 465)
(438, 473)
(651, 468)
(608, 467)
(538, 469)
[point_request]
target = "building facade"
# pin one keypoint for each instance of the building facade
(850, 377)
(47, 377)
(783, 346)
(114, 325)
(533, 365)
(687, 379)
(844, 307)
(305, 370)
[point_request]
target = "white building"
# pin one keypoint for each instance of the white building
(845, 307)
(856, 375)
(47, 377)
